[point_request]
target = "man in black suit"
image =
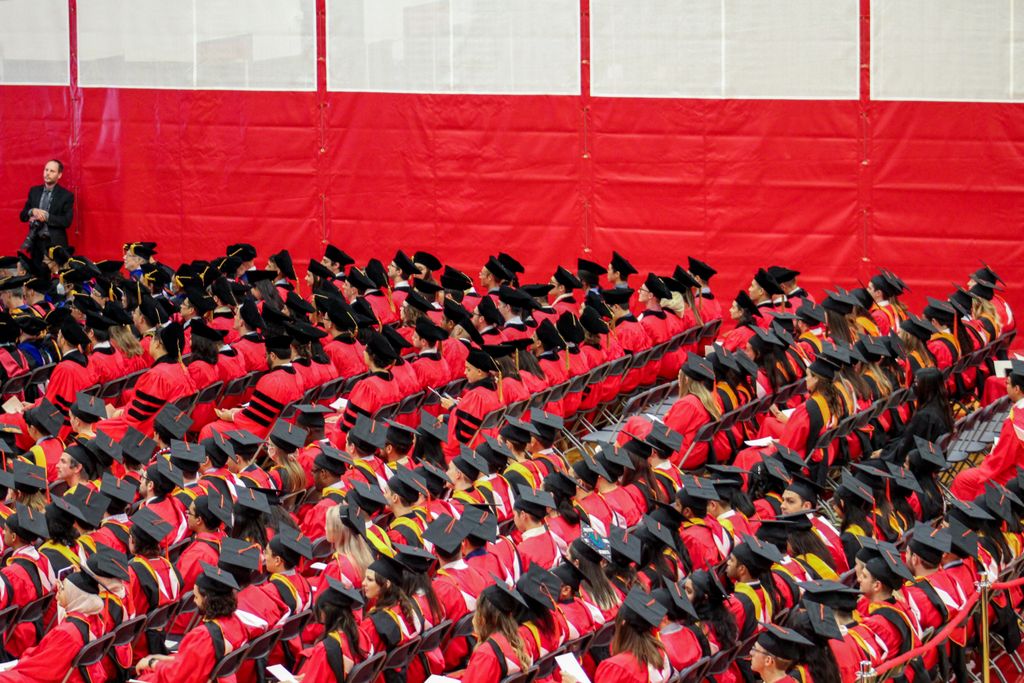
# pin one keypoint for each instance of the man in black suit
(48, 212)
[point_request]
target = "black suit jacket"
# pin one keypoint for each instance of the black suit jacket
(62, 206)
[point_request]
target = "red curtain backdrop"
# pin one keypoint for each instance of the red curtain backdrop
(836, 189)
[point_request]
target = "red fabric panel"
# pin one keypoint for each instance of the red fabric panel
(742, 183)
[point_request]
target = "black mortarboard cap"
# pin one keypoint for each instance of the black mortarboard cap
(929, 543)
(834, 594)
(534, 502)
(755, 554)
(120, 490)
(88, 408)
(617, 296)
(288, 437)
(700, 269)
(150, 524)
(624, 547)
(28, 477)
(236, 553)
(28, 523)
(446, 533)
(407, 484)
(173, 420)
(216, 580)
(336, 255)
(673, 598)
(337, 594)
(783, 643)
(46, 417)
(642, 610)
(698, 368)
(252, 499)
(856, 488)
(368, 434)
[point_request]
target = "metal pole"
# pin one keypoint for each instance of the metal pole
(866, 674)
(984, 585)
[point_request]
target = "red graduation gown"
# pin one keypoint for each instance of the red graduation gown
(106, 363)
(253, 351)
(686, 416)
(273, 392)
(430, 369)
(164, 382)
(368, 395)
(205, 547)
(50, 661)
(196, 655)
(457, 586)
(485, 666)
(625, 668)
(1000, 465)
(478, 399)
(539, 547)
(317, 667)
(346, 355)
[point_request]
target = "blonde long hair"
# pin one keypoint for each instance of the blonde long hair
(703, 394)
(124, 341)
(345, 542)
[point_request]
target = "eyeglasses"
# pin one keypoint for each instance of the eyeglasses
(759, 651)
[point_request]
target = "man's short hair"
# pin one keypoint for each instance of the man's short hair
(60, 164)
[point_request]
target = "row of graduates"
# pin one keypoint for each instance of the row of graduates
(310, 339)
(547, 522)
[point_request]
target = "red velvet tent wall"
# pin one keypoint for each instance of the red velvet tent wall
(835, 188)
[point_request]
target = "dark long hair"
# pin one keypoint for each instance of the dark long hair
(341, 620)
(711, 609)
(820, 660)
(930, 389)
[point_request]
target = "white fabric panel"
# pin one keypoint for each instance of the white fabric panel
(1017, 46)
(34, 43)
(656, 48)
(792, 49)
(454, 46)
(204, 44)
(256, 44)
(941, 50)
(782, 49)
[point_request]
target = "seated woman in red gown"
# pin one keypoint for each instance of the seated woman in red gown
(479, 398)
(342, 645)
(696, 407)
(164, 382)
(500, 650)
(50, 661)
(638, 656)
(219, 633)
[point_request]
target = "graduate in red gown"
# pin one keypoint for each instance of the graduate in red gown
(776, 651)
(456, 584)
(479, 398)
(27, 575)
(153, 580)
(1008, 454)
(164, 382)
(50, 661)
(218, 633)
(342, 644)
(70, 375)
(537, 545)
(629, 334)
(274, 390)
(637, 655)
(500, 650)
(696, 407)
(374, 391)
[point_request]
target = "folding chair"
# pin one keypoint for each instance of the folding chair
(228, 664)
(92, 653)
